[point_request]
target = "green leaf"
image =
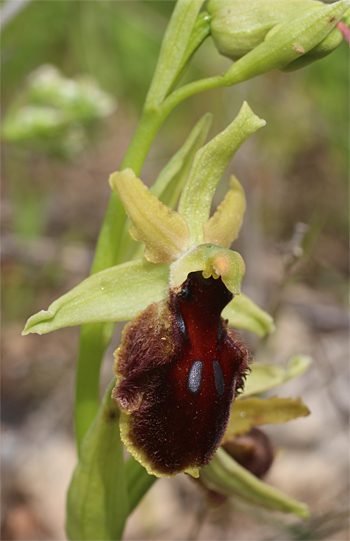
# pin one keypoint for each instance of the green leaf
(264, 377)
(250, 412)
(97, 504)
(138, 482)
(208, 167)
(226, 476)
(115, 294)
(243, 313)
(173, 48)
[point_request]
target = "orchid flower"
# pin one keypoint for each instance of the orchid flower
(180, 364)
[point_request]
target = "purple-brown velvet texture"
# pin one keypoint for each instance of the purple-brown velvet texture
(180, 375)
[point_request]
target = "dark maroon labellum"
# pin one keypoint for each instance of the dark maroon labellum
(178, 370)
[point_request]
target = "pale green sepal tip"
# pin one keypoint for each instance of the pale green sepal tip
(213, 261)
(243, 313)
(264, 377)
(115, 294)
(208, 167)
(226, 476)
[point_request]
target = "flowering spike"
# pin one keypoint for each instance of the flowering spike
(223, 227)
(173, 386)
(164, 232)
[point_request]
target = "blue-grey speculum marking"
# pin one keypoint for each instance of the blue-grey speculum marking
(218, 378)
(195, 377)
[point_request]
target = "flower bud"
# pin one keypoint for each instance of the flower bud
(253, 450)
(239, 26)
(288, 42)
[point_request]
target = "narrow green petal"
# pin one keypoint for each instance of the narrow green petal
(223, 227)
(250, 412)
(264, 377)
(208, 167)
(213, 261)
(97, 505)
(164, 232)
(243, 313)
(226, 476)
(115, 294)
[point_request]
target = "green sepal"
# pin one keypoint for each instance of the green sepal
(226, 476)
(324, 48)
(208, 167)
(173, 49)
(264, 377)
(172, 178)
(250, 412)
(115, 294)
(97, 503)
(243, 313)
(213, 261)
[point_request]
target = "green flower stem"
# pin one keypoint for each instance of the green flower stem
(190, 89)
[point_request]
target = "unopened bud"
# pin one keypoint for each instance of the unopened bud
(239, 26)
(290, 42)
(254, 451)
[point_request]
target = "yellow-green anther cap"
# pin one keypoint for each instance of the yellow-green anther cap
(239, 26)
(287, 42)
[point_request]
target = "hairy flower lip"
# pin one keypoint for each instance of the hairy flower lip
(187, 382)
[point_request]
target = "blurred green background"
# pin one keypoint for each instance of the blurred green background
(54, 195)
